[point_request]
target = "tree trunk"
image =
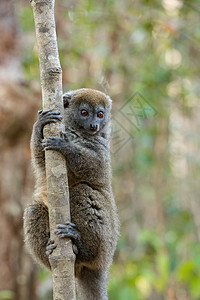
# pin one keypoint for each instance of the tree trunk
(62, 259)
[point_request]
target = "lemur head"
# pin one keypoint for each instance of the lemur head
(87, 110)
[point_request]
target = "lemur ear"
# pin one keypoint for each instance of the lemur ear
(67, 99)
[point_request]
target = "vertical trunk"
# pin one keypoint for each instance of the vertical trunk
(62, 259)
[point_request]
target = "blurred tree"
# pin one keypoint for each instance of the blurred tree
(18, 103)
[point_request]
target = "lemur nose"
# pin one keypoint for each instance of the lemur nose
(93, 127)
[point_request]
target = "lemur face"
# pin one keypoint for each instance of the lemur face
(88, 109)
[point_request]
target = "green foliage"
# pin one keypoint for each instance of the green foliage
(6, 295)
(153, 267)
(29, 54)
(31, 64)
(26, 18)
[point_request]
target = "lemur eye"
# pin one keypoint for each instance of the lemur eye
(84, 112)
(100, 114)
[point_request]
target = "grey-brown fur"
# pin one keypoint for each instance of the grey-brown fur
(93, 209)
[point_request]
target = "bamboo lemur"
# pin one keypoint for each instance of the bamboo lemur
(94, 227)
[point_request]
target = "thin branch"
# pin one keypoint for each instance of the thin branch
(62, 259)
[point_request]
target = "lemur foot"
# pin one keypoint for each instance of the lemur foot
(69, 230)
(51, 245)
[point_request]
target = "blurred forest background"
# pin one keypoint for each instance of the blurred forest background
(145, 55)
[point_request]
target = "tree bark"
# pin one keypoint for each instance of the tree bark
(62, 259)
